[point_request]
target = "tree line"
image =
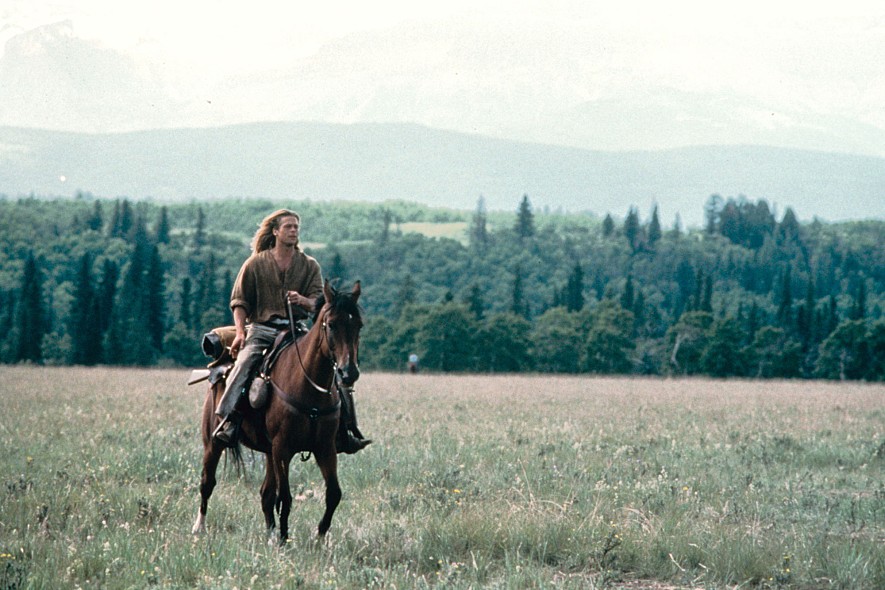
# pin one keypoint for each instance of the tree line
(91, 281)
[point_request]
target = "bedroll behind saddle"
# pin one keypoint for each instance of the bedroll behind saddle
(216, 345)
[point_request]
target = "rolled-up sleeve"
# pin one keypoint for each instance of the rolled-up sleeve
(243, 293)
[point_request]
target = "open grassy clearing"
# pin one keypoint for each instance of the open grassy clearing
(474, 481)
(455, 230)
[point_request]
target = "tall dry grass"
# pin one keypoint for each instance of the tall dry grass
(473, 481)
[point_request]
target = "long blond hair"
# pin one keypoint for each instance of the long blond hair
(264, 238)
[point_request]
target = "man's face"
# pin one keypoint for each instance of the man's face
(287, 231)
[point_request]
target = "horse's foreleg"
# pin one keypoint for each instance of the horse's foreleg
(328, 465)
(284, 495)
(269, 494)
(211, 456)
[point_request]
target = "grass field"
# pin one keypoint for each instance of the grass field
(473, 482)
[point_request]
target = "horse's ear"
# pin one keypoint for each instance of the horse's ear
(327, 291)
(356, 291)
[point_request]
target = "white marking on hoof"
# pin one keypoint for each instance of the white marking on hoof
(199, 525)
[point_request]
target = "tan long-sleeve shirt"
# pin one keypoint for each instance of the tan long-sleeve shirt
(261, 287)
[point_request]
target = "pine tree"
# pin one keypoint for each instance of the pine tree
(654, 228)
(788, 229)
(518, 305)
(210, 304)
(676, 231)
(185, 315)
(200, 229)
(114, 226)
(525, 219)
(407, 294)
(631, 228)
(859, 308)
(31, 320)
(627, 298)
(130, 338)
(707, 299)
(638, 310)
(475, 302)
(785, 303)
(6, 323)
(479, 233)
(227, 286)
(386, 220)
(698, 297)
(599, 282)
(95, 221)
(83, 327)
(574, 291)
(155, 299)
(685, 280)
(123, 220)
(107, 291)
(752, 321)
(162, 233)
(608, 225)
(805, 319)
(712, 209)
(832, 320)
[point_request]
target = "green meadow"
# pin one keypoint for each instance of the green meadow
(473, 482)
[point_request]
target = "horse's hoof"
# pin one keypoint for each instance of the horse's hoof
(199, 526)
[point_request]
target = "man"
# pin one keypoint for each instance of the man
(276, 275)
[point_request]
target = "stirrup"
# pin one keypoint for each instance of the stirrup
(227, 431)
(352, 444)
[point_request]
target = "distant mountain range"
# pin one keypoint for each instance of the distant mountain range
(376, 162)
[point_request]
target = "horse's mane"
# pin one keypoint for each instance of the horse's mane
(341, 303)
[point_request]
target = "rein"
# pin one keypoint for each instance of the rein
(301, 362)
(312, 412)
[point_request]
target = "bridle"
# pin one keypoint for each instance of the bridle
(335, 369)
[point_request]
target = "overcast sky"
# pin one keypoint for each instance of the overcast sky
(812, 61)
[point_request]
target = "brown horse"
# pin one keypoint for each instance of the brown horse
(301, 416)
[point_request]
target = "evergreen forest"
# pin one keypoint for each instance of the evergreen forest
(753, 293)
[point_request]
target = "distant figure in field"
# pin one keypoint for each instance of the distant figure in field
(413, 363)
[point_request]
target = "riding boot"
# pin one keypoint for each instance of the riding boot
(228, 430)
(350, 439)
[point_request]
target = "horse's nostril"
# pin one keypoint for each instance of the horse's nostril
(350, 374)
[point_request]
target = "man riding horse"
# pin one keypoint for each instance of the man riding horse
(276, 278)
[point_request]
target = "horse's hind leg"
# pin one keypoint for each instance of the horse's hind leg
(269, 494)
(211, 456)
(329, 468)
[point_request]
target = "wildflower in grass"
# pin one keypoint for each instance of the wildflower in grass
(784, 576)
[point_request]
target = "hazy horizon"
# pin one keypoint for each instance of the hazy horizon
(576, 74)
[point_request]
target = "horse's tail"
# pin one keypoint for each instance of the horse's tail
(234, 453)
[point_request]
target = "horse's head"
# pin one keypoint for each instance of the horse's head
(342, 322)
